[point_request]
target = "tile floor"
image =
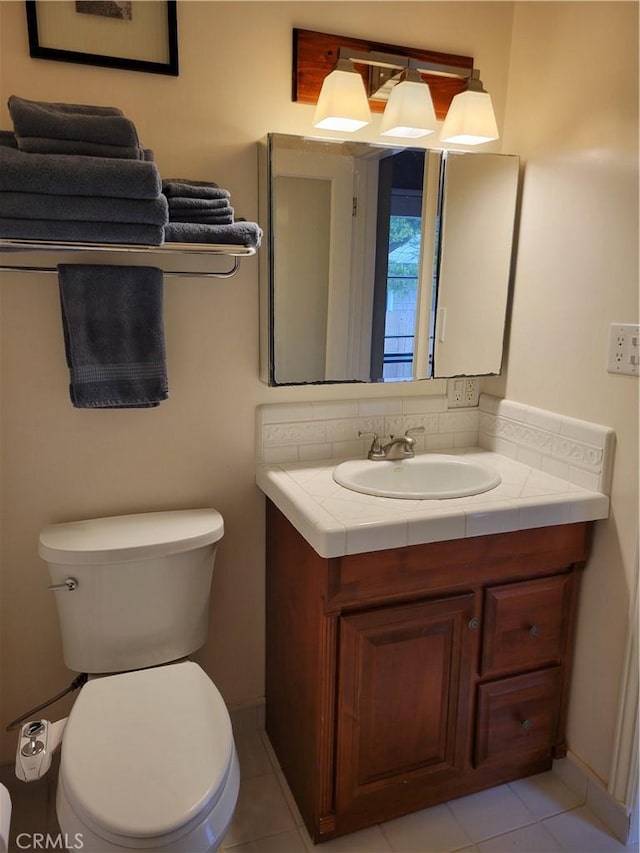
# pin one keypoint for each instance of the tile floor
(535, 815)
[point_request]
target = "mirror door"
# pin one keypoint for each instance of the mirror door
(383, 264)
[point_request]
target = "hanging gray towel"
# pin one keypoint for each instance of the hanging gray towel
(112, 319)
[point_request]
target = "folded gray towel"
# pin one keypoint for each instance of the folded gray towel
(62, 174)
(131, 233)
(193, 189)
(8, 137)
(213, 218)
(237, 234)
(105, 125)
(147, 211)
(44, 145)
(112, 318)
(197, 204)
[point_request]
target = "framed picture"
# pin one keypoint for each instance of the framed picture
(137, 35)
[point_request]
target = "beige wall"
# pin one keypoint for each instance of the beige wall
(574, 121)
(577, 272)
(198, 448)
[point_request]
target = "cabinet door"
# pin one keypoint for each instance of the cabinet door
(403, 697)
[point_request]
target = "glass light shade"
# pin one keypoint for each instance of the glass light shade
(470, 120)
(409, 112)
(343, 103)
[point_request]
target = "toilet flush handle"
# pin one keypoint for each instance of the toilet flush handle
(68, 583)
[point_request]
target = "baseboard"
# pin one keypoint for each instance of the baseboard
(591, 790)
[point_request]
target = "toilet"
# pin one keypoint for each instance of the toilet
(148, 760)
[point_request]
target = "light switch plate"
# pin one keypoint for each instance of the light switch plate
(624, 351)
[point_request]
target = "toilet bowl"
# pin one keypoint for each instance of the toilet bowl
(148, 760)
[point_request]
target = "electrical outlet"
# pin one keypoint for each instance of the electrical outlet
(471, 392)
(463, 392)
(624, 349)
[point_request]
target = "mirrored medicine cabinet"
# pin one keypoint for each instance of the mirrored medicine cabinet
(382, 264)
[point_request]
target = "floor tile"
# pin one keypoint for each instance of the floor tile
(252, 755)
(572, 777)
(284, 842)
(491, 812)
(291, 803)
(369, 840)
(579, 831)
(261, 811)
(545, 795)
(273, 758)
(433, 830)
(529, 839)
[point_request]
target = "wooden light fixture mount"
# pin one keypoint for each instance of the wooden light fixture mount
(316, 54)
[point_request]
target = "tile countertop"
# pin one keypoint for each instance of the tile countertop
(336, 521)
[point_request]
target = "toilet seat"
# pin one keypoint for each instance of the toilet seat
(146, 755)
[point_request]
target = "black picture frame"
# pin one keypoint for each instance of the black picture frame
(38, 51)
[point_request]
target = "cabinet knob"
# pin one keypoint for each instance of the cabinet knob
(534, 631)
(474, 623)
(526, 725)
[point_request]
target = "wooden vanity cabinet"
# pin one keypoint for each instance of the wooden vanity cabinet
(399, 679)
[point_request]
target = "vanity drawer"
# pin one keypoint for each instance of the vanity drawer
(525, 624)
(518, 716)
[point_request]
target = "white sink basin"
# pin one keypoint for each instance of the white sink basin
(432, 476)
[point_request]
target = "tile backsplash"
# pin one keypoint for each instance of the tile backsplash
(573, 450)
(329, 430)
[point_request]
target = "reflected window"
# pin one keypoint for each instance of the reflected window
(399, 244)
(405, 240)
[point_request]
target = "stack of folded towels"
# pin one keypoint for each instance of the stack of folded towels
(201, 212)
(77, 173)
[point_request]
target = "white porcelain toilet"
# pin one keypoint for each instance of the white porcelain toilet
(148, 759)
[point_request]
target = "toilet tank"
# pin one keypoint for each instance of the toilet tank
(143, 583)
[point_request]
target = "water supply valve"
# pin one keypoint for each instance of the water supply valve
(37, 742)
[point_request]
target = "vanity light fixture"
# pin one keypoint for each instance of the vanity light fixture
(343, 104)
(470, 120)
(348, 78)
(409, 113)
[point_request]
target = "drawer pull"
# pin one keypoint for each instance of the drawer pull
(474, 623)
(534, 631)
(526, 725)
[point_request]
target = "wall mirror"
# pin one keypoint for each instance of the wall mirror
(382, 264)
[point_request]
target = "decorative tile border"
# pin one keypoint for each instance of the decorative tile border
(329, 430)
(574, 450)
(577, 451)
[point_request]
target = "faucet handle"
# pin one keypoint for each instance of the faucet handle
(375, 451)
(418, 429)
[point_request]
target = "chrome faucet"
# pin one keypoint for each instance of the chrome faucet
(399, 447)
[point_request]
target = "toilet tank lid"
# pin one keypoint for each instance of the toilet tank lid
(124, 538)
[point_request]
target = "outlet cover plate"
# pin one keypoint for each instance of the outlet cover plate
(624, 351)
(463, 392)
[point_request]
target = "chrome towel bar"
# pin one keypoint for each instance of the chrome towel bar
(200, 249)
